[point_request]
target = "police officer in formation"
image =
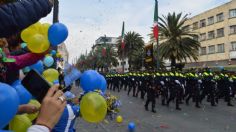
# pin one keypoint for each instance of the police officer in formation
(176, 87)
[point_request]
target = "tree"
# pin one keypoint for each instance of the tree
(176, 41)
(134, 45)
(103, 57)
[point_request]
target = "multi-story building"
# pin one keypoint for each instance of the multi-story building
(64, 53)
(112, 41)
(216, 29)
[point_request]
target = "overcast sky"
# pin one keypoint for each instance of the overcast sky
(89, 19)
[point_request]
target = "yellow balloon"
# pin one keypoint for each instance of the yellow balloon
(20, 123)
(119, 119)
(58, 55)
(44, 29)
(51, 75)
(93, 107)
(27, 33)
(37, 104)
(36, 26)
(38, 44)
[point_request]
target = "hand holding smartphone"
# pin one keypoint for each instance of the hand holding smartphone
(36, 85)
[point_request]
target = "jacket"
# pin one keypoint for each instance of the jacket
(21, 62)
(17, 16)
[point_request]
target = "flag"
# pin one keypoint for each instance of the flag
(123, 36)
(155, 25)
(104, 51)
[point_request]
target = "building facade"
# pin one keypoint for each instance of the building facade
(216, 29)
(113, 42)
(64, 53)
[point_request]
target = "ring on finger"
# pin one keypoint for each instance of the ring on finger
(62, 98)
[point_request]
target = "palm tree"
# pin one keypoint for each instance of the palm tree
(134, 44)
(176, 41)
(106, 56)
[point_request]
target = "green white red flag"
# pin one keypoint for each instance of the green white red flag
(155, 25)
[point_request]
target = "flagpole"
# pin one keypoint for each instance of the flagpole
(158, 49)
(123, 49)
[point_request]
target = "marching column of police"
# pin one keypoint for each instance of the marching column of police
(176, 87)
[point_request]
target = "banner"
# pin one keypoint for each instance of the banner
(149, 53)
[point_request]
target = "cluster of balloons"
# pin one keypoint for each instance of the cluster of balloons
(39, 36)
(10, 99)
(93, 106)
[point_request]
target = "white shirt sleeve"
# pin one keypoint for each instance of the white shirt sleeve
(38, 128)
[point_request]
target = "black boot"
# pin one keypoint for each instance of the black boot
(178, 108)
(187, 102)
(146, 108)
(163, 102)
(197, 106)
(229, 104)
(154, 111)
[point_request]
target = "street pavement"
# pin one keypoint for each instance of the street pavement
(206, 119)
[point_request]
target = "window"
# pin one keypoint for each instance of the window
(220, 17)
(233, 46)
(202, 36)
(203, 51)
(186, 28)
(232, 13)
(202, 23)
(195, 37)
(220, 32)
(211, 49)
(220, 48)
(211, 20)
(195, 25)
(233, 29)
(211, 35)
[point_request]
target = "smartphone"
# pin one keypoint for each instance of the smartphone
(36, 85)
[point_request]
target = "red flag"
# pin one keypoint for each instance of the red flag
(104, 52)
(155, 25)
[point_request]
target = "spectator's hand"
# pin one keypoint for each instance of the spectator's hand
(52, 107)
(28, 109)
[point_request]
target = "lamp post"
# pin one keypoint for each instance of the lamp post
(55, 11)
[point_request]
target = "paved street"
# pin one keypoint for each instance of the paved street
(190, 119)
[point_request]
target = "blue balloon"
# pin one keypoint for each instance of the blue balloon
(131, 127)
(48, 61)
(9, 102)
(89, 80)
(56, 82)
(24, 95)
(17, 82)
(102, 83)
(53, 52)
(38, 67)
(57, 34)
(23, 45)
